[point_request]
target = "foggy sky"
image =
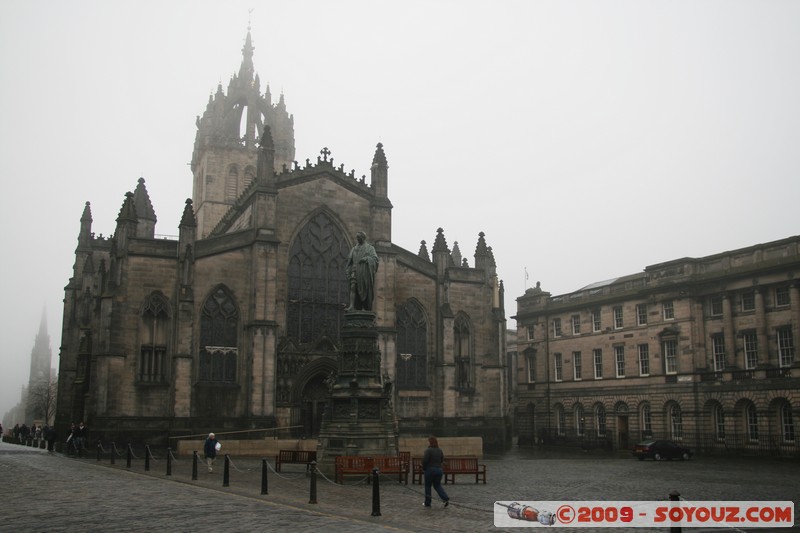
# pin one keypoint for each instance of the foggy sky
(587, 140)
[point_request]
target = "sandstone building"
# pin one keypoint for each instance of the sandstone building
(235, 324)
(697, 350)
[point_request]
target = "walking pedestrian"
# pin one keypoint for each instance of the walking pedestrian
(210, 449)
(432, 461)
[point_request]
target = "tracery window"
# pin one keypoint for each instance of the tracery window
(153, 336)
(318, 289)
(219, 329)
(463, 352)
(412, 345)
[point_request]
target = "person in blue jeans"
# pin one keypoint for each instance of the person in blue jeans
(432, 462)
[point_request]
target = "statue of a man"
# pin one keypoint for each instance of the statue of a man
(361, 267)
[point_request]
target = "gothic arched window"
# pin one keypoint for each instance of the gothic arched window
(219, 332)
(318, 289)
(232, 183)
(153, 338)
(412, 346)
(249, 175)
(462, 337)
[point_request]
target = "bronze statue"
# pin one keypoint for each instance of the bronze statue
(361, 267)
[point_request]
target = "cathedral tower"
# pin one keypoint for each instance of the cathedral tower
(225, 154)
(41, 359)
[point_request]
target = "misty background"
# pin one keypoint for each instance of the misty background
(586, 139)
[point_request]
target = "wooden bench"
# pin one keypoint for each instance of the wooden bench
(452, 465)
(392, 465)
(298, 457)
(351, 465)
(463, 465)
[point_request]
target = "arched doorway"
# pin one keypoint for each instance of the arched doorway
(313, 397)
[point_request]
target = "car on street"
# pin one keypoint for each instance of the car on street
(661, 449)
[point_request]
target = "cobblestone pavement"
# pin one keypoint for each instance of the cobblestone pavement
(52, 492)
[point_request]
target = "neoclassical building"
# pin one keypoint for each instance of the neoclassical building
(699, 350)
(235, 323)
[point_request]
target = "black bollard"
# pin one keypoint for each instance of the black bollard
(264, 476)
(169, 461)
(113, 452)
(194, 465)
(376, 493)
(226, 478)
(146, 457)
(674, 496)
(129, 456)
(313, 497)
(99, 449)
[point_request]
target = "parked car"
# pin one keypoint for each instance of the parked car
(661, 449)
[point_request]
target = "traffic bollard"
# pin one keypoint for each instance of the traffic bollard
(194, 465)
(376, 493)
(169, 461)
(263, 476)
(129, 456)
(113, 452)
(675, 496)
(313, 497)
(146, 457)
(226, 475)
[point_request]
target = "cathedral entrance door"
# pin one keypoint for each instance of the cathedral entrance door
(315, 394)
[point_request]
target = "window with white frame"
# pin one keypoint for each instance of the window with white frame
(580, 421)
(556, 327)
(618, 317)
(596, 324)
(530, 332)
(641, 314)
(668, 308)
(597, 355)
(530, 362)
(782, 296)
(600, 420)
(676, 422)
(561, 420)
(751, 416)
(670, 350)
(576, 324)
(787, 422)
(646, 421)
(715, 306)
(619, 359)
(748, 301)
(558, 367)
(750, 340)
(577, 366)
(785, 347)
(719, 422)
(644, 360)
(718, 352)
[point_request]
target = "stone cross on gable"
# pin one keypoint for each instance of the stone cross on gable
(325, 153)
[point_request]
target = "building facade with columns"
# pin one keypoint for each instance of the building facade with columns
(235, 324)
(697, 350)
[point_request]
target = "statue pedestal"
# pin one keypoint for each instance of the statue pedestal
(359, 416)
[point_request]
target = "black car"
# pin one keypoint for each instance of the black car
(661, 449)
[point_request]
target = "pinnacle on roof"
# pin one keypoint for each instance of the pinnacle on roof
(87, 213)
(423, 251)
(440, 245)
(141, 200)
(246, 70)
(188, 218)
(127, 212)
(480, 249)
(380, 157)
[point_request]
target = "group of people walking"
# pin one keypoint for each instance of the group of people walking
(75, 443)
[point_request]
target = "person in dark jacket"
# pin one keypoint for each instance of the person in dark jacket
(50, 436)
(432, 462)
(210, 449)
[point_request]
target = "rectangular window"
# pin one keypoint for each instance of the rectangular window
(669, 310)
(561, 420)
(530, 361)
(785, 347)
(647, 422)
(748, 301)
(577, 366)
(576, 324)
(752, 423)
(750, 350)
(782, 296)
(619, 356)
(715, 306)
(530, 332)
(718, 351)
(596, 320)
(644, 360)
(641, 314)
(558, 366)
(556, 327)
(671, 356)
(618, 317)
(597, 354)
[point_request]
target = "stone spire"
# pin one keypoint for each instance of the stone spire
(145, 213)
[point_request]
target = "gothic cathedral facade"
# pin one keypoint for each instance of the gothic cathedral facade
(235, 324)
